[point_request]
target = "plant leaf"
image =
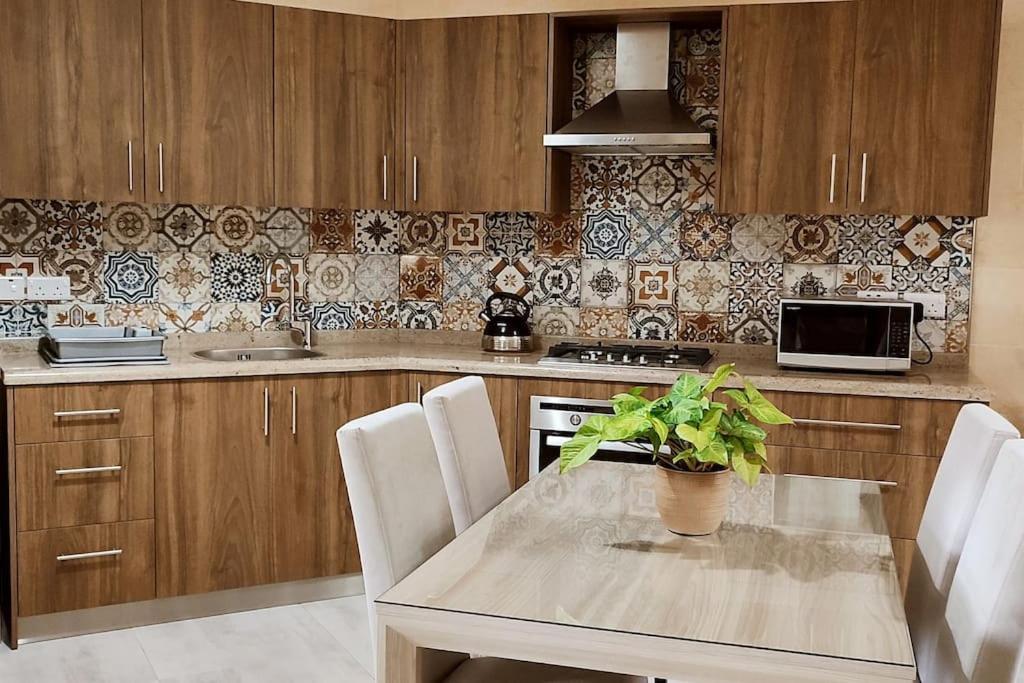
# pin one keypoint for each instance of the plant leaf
(718, 378)
(637, 391)
(711, 421)
(625, 427)
(686, 387)
(660, 428)
(577, 451)
(715, 452)
(738, 397)
(747, 430)
(628, 403)
(683, 410)
(692, 435)
(749, 471)
(764, 410)
(594, 425)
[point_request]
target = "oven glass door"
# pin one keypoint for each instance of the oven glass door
(835, 330)
(549, 444)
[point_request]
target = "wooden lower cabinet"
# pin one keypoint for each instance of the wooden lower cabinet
(903, 551)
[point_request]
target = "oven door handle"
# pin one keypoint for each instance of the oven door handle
(557, 441)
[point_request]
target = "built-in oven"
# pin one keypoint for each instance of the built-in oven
(554, 420)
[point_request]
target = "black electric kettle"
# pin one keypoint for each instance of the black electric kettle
(508, 324)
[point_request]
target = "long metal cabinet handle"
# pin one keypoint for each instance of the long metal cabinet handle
(88, 470)
(415, 179)
(131, 169)
(266, 411)
(86, 413)
(385, 177)
(883, 483)
(160, 155)
(842, 423)
(86, 556)
(864, 178)
(832, 182)
(295, 403)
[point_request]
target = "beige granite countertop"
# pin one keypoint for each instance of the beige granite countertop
(22, 366)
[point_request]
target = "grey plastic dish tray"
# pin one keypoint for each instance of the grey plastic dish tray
(98, 343)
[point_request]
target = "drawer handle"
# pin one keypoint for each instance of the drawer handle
(86, 413)
(884, 484)
(88, 470)
(86, 556)
(841, 423)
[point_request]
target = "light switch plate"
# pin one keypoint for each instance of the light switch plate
(49, 288)
(12, 288)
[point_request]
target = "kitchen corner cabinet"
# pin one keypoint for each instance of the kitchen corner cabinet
(334, 109)
(208, 84)
(475, 113)
(71, 99)
(786, 133)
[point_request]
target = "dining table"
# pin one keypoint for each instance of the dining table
(798, 584)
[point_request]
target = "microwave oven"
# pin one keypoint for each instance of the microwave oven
(846, 334)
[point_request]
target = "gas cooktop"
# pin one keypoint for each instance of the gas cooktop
(632, 355)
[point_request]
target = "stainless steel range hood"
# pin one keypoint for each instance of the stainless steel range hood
(640, 117)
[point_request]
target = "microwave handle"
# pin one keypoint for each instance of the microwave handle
(557, 441)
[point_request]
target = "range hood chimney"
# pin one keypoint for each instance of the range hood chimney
(640, 117)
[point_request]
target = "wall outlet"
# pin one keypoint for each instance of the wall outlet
(12, 288)
(934, 304)
(877, 295)
(49, 288)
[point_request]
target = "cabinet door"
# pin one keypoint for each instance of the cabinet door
(502, 393)
(313, 534)
(209, 101)
(334, 109)
(214, 525)
(475, 113)
(922, 108)
(786, 130)
(71, 99)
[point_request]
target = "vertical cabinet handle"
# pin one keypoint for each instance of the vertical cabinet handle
(415, 179)
(832, 182)
(864, 178)
(266, 411)
(294, 411)
(160, 175)
(419, 392)
(131, 169)
(385, 177)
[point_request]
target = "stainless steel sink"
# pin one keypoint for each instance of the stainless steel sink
(250, 354)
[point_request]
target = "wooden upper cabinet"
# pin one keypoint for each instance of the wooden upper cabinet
(209, 101)
(475, 96)
(922, 114)
(71, 99)
(786, 119)
(334, 109)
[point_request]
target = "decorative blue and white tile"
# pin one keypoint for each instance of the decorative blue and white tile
(184, 278)
(192, 318)
(654, 235)
(461, 315)
(376, 315)
(331, 277)
(377, 278)
(466, 277)
(24, 319)
(606, 235)
(556, 282)
(20, 226)
(703, 328)
(512, 277)
(466, 233)
(82, 267)
(752, 317)
(805, 280)
(605, 283)
(922, 238)
(958, 295)
(130, 227)
(652, 322)
(288, 231)
(71, 225)
(652, 284)
(756, 277)
(602, 184)
(556, 321)
(75, 314)
(130, 277)
(237, 278)
(184, 227)
(703, 286)
(333, 316)
(420, 315)
(705, 236)
(959, 242)
(757, 239)
(852, 279)
(866, 240)
(21, 264)
(235, 317)
(933, 332)
(699, 178)
(377, 232)
(275, 315)
(423, 234)
(133, 315)
(920, 277)
(238, 229)
(511, 235)
(658, 183)
(811, 239)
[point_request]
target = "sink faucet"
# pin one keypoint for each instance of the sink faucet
(303, 327)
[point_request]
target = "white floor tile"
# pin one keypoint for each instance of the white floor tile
(346, 620)
(114, 657)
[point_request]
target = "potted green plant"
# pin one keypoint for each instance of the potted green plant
(695, 441)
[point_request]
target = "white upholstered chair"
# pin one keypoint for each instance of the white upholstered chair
(983, 638)
(402, 517)
(468, 448)
(976, 439)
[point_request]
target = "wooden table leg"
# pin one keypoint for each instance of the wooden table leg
(399, 660)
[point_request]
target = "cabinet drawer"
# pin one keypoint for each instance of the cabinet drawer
(861, 423)
(84, 482)
(86, 566)
(906, 480)
(82, 412)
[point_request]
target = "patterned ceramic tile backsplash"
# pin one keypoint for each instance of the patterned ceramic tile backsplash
(642, 253)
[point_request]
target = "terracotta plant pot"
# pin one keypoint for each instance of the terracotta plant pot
(692, 503)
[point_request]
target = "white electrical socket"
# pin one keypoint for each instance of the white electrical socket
(49, 288)
(12, 288)
(934, 304)
(877, 295)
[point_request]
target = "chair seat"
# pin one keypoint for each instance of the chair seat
(495, 670)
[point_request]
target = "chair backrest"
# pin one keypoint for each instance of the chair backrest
(468, 447)
(985, 611)
(399, 506)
